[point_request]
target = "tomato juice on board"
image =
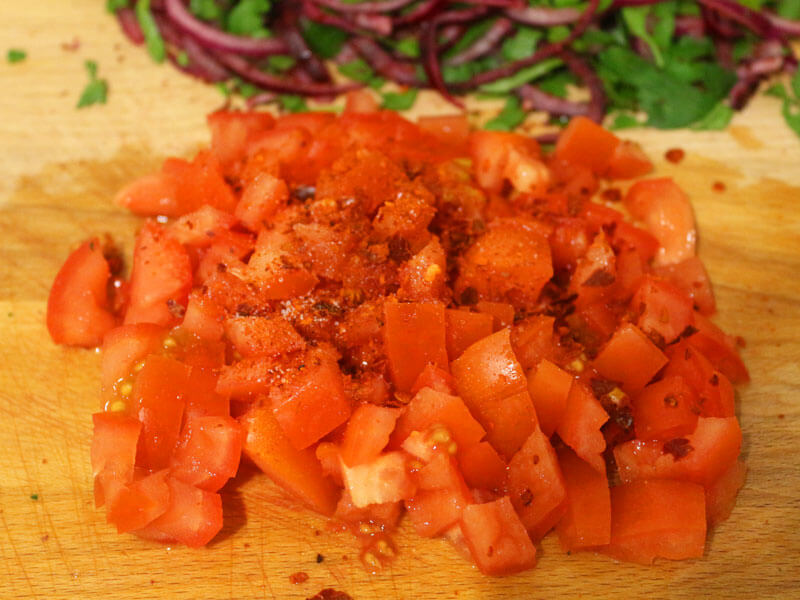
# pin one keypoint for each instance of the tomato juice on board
(491, 339)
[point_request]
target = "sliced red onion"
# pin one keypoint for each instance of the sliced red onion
(383, 63)
(365, 7)
(483, 46)
(277, 84)
(542, 16)
(261, 99)
(751, 19)
(219, 40)
(596, 108)
(690, 25)
(130, 25)
(535, 99)
(430, 61)
(208, 67)
(422, 10)
(380, 24)
(786, 26)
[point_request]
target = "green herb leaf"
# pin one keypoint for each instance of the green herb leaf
(521, 77)
(292, 103)
(557, 83)
(281, 62)
(796, 84)
(777, 90)
(207, 10)
(325, 40)
(789, 9)
(359, 70)
(152, 37)
(247, 18)
(509, 118)
(114, 6)
(791, 114)
(716, 119)
(635, 18)
(399, 101)
(15, 55)
(96, 91)
(624, 120)
(182, 59)
(408, 46)
(522, 44)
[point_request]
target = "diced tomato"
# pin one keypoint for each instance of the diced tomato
(245, 377)
(629, 358)
(580, 426)
(263, 336)
(386, 478)
(657, 519)
(367, 433)
(297, 471)
(414, 335)
(665, 410)
(715, 396)
(208, 453)
(584, 142)
(532, 340)
(78, 308)
(719, 348)
(482, 466)
(140, 503)
(435, 378)
(664, 311)
(464, 328)
(202, 399)
(430, 407)
(502, 313)
(493, 386)
(691, 277)
(496, 538)
(260, 200)
(113, 451)
(193, 517)
(536, 485)
(228, 250)
(495, 156)
(701, 457)
(510, 261)
(203, 317)
(159, 401)
(360, 101)
(309, 400)
(440, 498)
(231, 131)
(587, 520)
(665, 210)
(721, 495)
(549, 387)
(161, 278)
(628, 160)
(201, 227)
(381, 516)
(124, 347)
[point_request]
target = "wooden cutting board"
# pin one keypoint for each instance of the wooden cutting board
(59, 171)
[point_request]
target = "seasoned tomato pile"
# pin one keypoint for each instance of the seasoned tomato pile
(393, 319)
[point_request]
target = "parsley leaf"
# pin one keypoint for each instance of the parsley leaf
(114, 6)
(523, 76)
(96, 91)
(716, 119)
(325, 40)
(509, 118)
(522, 44)
(292, 103)
(16, 55)
(247, 18)
(623, 120)
(359, 70)
(207, 10)
(152, 36)
(399, 101)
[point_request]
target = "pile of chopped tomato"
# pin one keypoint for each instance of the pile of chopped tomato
(392, 319)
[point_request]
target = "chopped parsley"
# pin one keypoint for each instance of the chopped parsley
(399, 100)
(509, 118)
(96, 91)
(114, 6)
(152, 36)
(16, 55)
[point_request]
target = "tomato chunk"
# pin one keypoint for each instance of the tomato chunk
(384, 479)
(140, 503)
(657, 519)
(586, 143)
(367, 433)
(113, 452)
(587, 520)
(209, 452)
(496, 538)
(78, 312)
(580, 426)
(464, 328)
(665, 410)
(630, 359)
(549, 387)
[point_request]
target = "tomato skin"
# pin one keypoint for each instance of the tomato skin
(629, 358)
(493, 386)
(532, 340)
(580, 426)
(482, 466)
(161, 277)
(536, 485)
(496, 538)
(297, 471)
(587, 520)
(719, 348)
(657, 519)
(435, 378)
(78, 305)
(691, 277)
(262, 198)
(711, 450)
(585, 143)
(208, 454)
(665, 210)
(159, 401)
(440, 497)
(414, 335)
(711, 385)
(193, 516)
(231, 131)
(627, 161)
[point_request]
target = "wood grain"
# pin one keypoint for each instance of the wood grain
(61, 167)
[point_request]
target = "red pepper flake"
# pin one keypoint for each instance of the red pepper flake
(679, 447)
(72, 46)
(741, 342)
(330, 594)
(599, 278)
(674, 155)
(718, 186)
(299, 577)
(670, 401)
(612, 195)
(526, 497)
(781, 416)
